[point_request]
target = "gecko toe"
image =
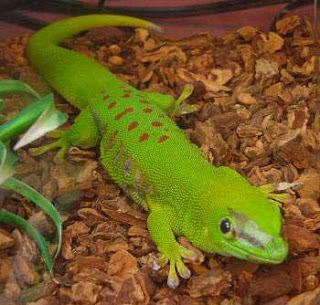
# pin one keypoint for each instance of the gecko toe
(173, 279)
(183, 270)
(188, 254)
(272, 191)
(61, 143)
(159, 263)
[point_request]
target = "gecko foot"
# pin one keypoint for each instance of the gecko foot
(176, 265)
(180, 107)
(61, 143)
(270, 190)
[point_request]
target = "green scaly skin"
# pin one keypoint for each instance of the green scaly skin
(153, 161)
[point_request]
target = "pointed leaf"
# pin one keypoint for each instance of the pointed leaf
(23, 224)
(7, 160)
(26, 117)
(10, 86)
(1, 107)
(49, 120)
(40, 201)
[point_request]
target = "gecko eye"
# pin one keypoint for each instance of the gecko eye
(225, 226)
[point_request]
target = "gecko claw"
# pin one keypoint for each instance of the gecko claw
(176, 265)
(155, 265)
(159, 263)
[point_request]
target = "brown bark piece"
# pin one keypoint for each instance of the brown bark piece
(309, 265)
(306, 298)
(24, 270)
(6, 240)
(271, 285)
(278, 301)
(122, 264)
(85, 292)
(300, 239)
(288, 24)
(214, 282)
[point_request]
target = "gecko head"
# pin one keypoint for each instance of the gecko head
(248, 226)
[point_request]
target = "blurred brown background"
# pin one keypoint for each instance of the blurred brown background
(219, 24)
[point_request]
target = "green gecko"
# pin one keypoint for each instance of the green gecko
(150, 158)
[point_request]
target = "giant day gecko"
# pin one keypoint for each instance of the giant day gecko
(216, 208)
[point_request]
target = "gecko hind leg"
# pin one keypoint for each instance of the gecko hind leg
(61, 143)
(77, 135)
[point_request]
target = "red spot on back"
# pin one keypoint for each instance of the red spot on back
(147, 110)
(111, 105)
(124, 112)
(133, 125)
(106, 97)
(144, 137)
(156, 124)
(163, 138)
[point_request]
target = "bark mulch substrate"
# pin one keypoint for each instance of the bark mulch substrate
(257, 99)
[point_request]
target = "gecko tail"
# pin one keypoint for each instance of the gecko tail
(59, 31)
(76, 77)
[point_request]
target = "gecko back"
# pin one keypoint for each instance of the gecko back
(76, 77)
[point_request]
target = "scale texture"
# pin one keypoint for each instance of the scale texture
(152, 160)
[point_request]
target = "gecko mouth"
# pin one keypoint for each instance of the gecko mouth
(273, 253)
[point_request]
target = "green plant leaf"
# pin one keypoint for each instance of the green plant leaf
(40, 201)
(7, 161)
(49, 120)
(10, 86)
(29, 116)
(1, 107)
(23, 224)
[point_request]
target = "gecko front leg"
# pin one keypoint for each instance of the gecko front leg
(168, 104)
(171, 251)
